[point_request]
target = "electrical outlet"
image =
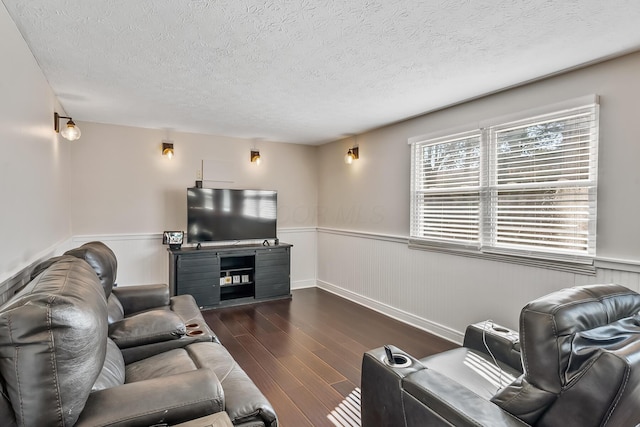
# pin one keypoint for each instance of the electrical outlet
(199, 174)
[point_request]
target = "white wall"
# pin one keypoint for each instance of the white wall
(34, 161)
(124, 192)
(446, 292)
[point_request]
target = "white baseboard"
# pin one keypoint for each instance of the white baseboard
(400, 315)
(303, 284)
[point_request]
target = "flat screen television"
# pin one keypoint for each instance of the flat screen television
(216, 214)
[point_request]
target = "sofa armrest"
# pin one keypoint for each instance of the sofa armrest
(381, 387)
(167, 400)
(244, 402)
(147, 328)
(142, 297)
(429, 395)
(503, 342)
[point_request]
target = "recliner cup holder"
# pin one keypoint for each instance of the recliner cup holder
(192, 325)
(195, 333)
(399, 361)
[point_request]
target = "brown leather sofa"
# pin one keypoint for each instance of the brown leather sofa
(580, 352)
(64, 363)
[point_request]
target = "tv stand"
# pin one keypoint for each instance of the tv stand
(220, 276)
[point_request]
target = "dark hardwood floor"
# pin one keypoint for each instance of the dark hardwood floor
(305, 353)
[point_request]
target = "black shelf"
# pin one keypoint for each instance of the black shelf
(236, 284)
(261, 273)
(237, 291)
(229, 270)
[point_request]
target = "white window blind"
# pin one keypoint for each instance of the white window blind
(526, 188)
(446, 192)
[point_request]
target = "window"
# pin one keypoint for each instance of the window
(446, 193)
(522, 187)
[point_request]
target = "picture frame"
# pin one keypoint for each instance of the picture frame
(173, 238)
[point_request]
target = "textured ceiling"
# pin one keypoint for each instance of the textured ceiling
(305, 71)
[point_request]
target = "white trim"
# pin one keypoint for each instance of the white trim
(297, 230)
(532, 113)
(158, 236)
(470, 128)
(458, 132)
(395, 313)
(600, 262)
(549, 264)
(116, 237)
(618, 264)
(366, 235)
(304, 284)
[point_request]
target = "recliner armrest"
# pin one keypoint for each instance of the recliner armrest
(169, 400)
(147, 328)
(429, 395)
(142, 297)
(381, 395)
(504, 343)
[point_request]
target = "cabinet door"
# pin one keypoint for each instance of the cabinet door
(199, 275)
(272, 275)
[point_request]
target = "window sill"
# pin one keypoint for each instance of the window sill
(566, 266)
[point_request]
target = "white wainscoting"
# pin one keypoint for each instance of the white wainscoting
(303, 255)
(142, 259)
(439, 292)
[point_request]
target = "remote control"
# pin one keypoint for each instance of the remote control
(389, 355)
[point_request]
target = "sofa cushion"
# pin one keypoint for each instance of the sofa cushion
(243, 400)
(115, 311)
(161, 365)
(102, 259)
(112, 373)
(53, 337)
(158, 402)
(472, 370)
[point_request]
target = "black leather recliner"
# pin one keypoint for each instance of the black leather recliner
(580, 352)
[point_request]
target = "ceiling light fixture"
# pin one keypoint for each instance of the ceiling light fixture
(255, 157)
(167, 149)
(70, 132)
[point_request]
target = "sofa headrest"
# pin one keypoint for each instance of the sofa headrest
(102, 259)
(579, 350)
(549, 325)
(53, 336)
(44, 265)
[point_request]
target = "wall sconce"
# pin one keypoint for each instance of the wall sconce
(167, 149)
(255, 157)
(70, 132)
(352, 155)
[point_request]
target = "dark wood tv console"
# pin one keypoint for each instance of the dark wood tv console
(220, 276)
